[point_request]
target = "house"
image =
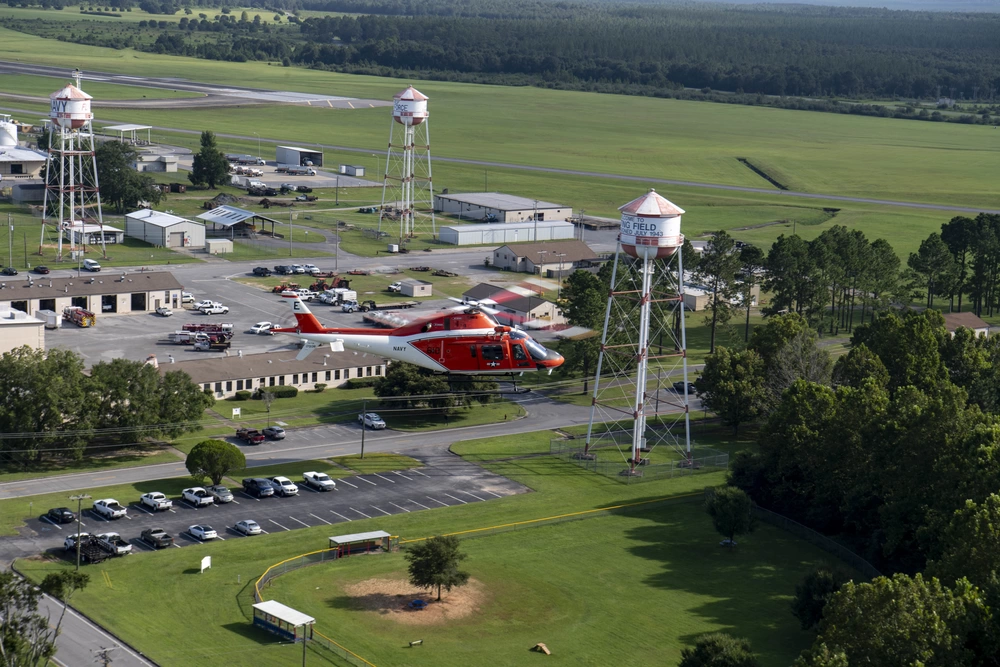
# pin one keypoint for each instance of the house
(518, 307)
(955, 321)
(550, 258)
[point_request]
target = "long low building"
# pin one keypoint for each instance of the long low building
(108, 293)
(226, 375)
(489, 233)
(499, 207)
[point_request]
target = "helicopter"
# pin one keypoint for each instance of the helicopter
(465, 340)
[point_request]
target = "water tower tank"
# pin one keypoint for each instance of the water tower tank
(70, 107)
(8, 133)
(409, 107)
(651, 227)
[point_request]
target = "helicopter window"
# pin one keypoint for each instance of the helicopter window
(472, 351)
(536, 350)
(447, 324)
(493, 352)
(518, 352)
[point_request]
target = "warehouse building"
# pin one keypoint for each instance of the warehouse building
(546, 258)
(511, 232)
(498, 207)
(107, 293)
(164, 229)
(293, 156)
(224, 376)
(17, 329)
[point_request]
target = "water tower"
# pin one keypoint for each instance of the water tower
(406, 183)
(72, 194)
(635, 407)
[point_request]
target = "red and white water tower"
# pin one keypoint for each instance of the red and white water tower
(407, 189)
(72, 192)
(643, 344)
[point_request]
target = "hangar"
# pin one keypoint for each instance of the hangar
(164, 229)
(498, 207)
(107, 293)
(511, 232)
(293, 156)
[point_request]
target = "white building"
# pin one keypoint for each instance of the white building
(499, 207)
(17, 329)
(87, 234)
(542, 258)
(164, 230)
(157, 163)
(511, 232)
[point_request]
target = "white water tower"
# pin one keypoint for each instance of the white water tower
(406, 183)
(71, 170)
(8, 132)
(643, 344)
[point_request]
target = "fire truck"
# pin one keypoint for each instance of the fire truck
(79, 316)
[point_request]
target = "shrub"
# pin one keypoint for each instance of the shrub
(361, 383)
(284, 391)
(319, 387)
(243, 395)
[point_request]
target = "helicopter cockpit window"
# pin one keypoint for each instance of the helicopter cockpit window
(518, 352)
(493, 352)
(536, 350)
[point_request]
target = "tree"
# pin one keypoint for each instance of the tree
(909, 347)
(799, 359)
(434, 562)
(972, 548)
(813, 593)
(935, 263)
(752, 261)
(959, 234)
(25, 636)
(121, 185)
(719, 650)
(732, 386)
(210, 166)
(718, 266)
(214, 459)
(584, 300)
(771, 337)
(62, 586)
(408, 386)
(858, 366)
(732, 512)
(792, 278)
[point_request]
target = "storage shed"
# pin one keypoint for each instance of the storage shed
(414, 287)
(164, 229)
(293, 156)
(219, 246)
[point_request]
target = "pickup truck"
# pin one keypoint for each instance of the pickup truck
(250, 435)
(198, 496)
(109, 508)
(164, 311)
(156, 501)
(371, 420)
(215, 309)
(262, 271)
(396, 287)
(209, 345)
(114, 544)
(156, 538)
(319, 481)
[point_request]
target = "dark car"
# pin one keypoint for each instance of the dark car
(156, 538)
(262, 271)
(258, 487)
(283, 270)
(9, 271)
(679, 388)
(304, 188)
(41, 270)
(275, 432)
(61, 515)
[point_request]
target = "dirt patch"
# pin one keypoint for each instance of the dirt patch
(390, 597)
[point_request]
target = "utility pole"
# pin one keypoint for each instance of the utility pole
(289, 233)
(560, 255)
(10, 241)
(258, 144)
(364, 411)
(79, 511)
(536, 221)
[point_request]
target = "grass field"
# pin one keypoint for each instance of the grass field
(125, 459)
(42, 86)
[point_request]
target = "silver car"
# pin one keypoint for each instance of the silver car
(220, 493)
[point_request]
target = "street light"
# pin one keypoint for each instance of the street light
(258, 144)
(541, 266)
(79, 505)
(378, 165)
(560, 255)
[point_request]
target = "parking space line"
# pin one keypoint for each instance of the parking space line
(439, 502)
(416, 503)
(235, 501)
(417, 472)
(495, 495)
(472, 494)
(348, 483)
(177, 545)
(302, 522)
(308, 488)
(340, 515)
(359, 512)
(140, 507)
(402, 508)
(220, 537)
(277, 524)
(464, 502)
(385, 478)
(48, 520)
(249, 496)
(323, 520)
(382, 510)
(401, 474)
(189, 505)
(365, 480)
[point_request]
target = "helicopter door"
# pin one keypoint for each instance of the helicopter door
(521, 359)
(491, 357)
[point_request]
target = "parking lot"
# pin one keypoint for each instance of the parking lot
(359, 497)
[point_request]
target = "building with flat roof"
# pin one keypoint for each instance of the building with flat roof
(510, 232)
(499, 207)
(17, 329)
(90, 234)
(108, 293)
(157, 163)
(293, 156)
(20, 164)
(542, 258)
(225, 375)
(164, 229)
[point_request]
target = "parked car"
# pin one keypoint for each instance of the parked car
(156, 538)
(197, 496)
(283, 269)
(9, 271)
(220, 493)
(156, 501)
(298, 268)
(396, 287)
(274, 432)
(41, 270)
(679, 388)
(250, 435)
(61, 515)
(69, 544)
(258, 487)
(262, 271)
(187, 297)
(288, 186)
(114, 544)
(262, 328)
(319, 481)
(305, 294)
(311, 268)
(206, 303)
(284, 487)
(248, 527)
(109, 508)
(91, 265)
(202, 532)
(371, 420)
(164, 311)
(215, 310)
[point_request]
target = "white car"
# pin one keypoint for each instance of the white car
(69, 544)
(372, 421)
(197, 496)
(284, 486)
(262, 328)
(298, 268)
(319, 481)
(156, 500)
(396, 287)
(310, 268)
(164, 311)
(248, 527)
(215, 310)
(187, 297)
(205, 303)
(202, 532)
(305, 294)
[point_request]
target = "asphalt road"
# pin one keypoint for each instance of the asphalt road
(80, 641)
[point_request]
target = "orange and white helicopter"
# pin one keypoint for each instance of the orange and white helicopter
(465, 340)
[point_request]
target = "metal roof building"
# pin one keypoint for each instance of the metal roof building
(230, 221)
(164, 229)
(298, 157)
(106, 293)
(502, 207)
(511, 232)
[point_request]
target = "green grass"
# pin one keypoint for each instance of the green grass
(474, 415)
(23, 84)
(125, 459)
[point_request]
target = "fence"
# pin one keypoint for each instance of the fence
(703, 460)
